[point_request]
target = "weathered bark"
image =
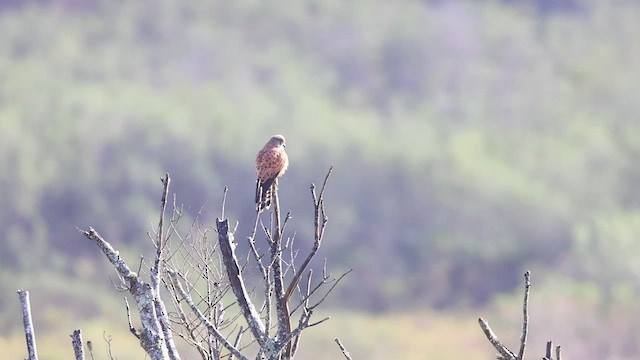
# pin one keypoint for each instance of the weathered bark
(76, 341)
(251, 315)
(151, 335)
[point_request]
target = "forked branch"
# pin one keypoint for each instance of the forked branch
(503, 352)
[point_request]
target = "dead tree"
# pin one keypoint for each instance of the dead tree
(503, 352)
(199, 290)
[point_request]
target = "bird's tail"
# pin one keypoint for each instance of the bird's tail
(263, 194)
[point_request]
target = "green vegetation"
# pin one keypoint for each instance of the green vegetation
(471, 141)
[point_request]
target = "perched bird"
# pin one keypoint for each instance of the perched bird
(271, 163)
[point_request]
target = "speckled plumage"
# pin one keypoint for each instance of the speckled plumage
(271, 163)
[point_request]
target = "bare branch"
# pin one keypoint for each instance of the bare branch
(77, 344)
(238, 338)
(558, 352)
(282, 309)
(547, 354)
(326, 179)
(505, 353)
(224, 202)
(151, 337)
(163, 319)
(318, 233)
(108, 340)
(304, 302)
(525, 315)
(90, 347)
(335, 283)
(166, 180)
(28, 324)
(161, 243)
(212, 329)
(342, 348)
(132, 329)
(237, 283)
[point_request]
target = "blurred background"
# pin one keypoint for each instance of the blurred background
(471, 141)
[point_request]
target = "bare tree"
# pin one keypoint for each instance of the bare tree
(199, 290)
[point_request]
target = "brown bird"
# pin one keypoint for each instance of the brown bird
(271, 163)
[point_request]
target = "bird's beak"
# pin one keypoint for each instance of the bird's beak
(284, 145)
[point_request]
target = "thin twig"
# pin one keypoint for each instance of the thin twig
(210, 327)
(238, 338)
(343, 349)
(90, 347)
(224, 202)
(108, 340)
(318, 286)
(131, 328)
(166, 180)
(318, 234)
(525, 315)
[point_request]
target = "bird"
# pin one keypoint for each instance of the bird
(271, 163)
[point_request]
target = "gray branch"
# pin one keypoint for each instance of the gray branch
(548, 355)
(210, 327)
(343, 349)
(76, 341)
(161, 311)
(230, 261)
(503, 352)
(525, 315)
(28, 324)
(275, 247)
(152, 337)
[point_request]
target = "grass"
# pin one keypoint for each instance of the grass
(366, 336)
(420, 335)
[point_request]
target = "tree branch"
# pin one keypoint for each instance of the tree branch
(237, 283)
(28, 324)
(151, 337)
(77, 344)
(275, 247)
(210, 327)
(342, 348)
(160, 243)
(320, 224)
(525, 315)
(503, 352)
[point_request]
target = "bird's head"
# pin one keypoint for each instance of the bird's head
(277, 140)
